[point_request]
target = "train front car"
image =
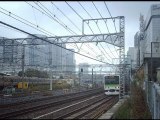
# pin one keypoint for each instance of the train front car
(111, 85)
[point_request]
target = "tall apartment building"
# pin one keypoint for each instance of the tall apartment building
(152, 28)
(70, 61)
(150, 33)
(132, 57)
(137, 46)
(139, 42)
(37, 55)
(49, 55)
(10, 55)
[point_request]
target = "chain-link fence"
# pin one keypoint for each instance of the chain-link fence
(153, 98)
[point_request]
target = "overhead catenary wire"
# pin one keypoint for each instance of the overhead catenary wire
(100, 44)
(66, 16)
(61, 22)
(97, 26)
(22, 19)
(82, 19)
(28, 23)
(73, 9)
(49, 41)
(51, 14)
(110, 16)
(104, 22)
(75, 26)
(48, 15)
(35, 16)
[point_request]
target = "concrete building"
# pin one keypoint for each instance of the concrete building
(136, 40)
(152, 28)
(49, 55)
(132, 57)
(137, 46)
(151, 35)
(139, 42)
(10, 55)
(70, 61)
(38, 55)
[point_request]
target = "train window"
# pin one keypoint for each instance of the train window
(111, 79)
(111, 90)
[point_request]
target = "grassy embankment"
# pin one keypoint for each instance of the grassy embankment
(134, 107)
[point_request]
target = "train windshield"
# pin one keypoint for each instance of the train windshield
(111, 79)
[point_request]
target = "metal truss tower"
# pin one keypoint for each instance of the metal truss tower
(122, 56)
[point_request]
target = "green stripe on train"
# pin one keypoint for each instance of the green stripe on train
(112, 85)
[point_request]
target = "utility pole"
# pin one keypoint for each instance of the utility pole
(51, 79)
(23, 52)
(92, 77)
(131, 66)
(151, 63)
(79, 79)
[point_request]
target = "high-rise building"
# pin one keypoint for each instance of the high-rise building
(36, 55)
(137, 46)
(136, 39)
(132, 56)
(152, 28)
(70, 61)
(10, 54)
(150, 49)
(139, 42)
(49, 55)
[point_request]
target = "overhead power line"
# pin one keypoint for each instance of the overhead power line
(105, 24)
(50, 42)
(97, 26)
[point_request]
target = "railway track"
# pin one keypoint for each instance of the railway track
(100, 109)
(86, 109)
(50, 97)
(23, 108)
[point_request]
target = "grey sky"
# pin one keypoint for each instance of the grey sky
(131, 11)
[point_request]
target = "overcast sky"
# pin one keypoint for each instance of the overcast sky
(130, 10)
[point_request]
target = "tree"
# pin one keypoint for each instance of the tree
(20, 73)
(34, 73)
(61, 77)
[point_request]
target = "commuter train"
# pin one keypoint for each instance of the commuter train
(14, 80)
(111, 84)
